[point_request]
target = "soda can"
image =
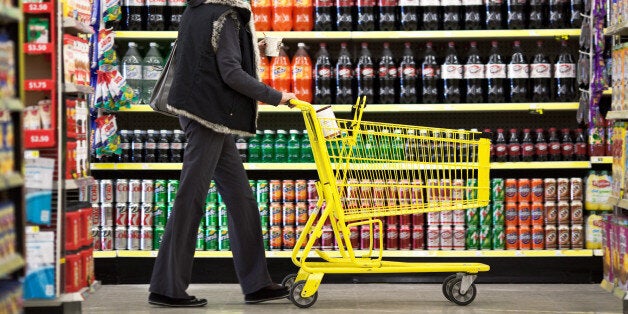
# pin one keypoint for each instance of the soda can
(458, 189)
(94, 192)
(486, 216)
(564, 212)
(536, 214)
(289, 238)
(161, 192)
(486, 237)
(538, 237)
(511, 188)
(447, 217)
(405, 237)
(459, 237)
(223, 219)
(122, 191)
(276, 214)
(96, 237)
(577, 237)
(433, 192)
(407, 219)
(472, 238)
(471, 193)
(169, 210)
(106, 237)
(550, 213)
(354, 235)
(472, 217)
(433, 237)
(96, 215)
(158, 234)
(253, 186)
(327, 239)
(223, 239)
(564, 237)
(551, 237)
(159, 215)
(524, 214)
(365, 233)
(392, 237)
(445, 190)
(418, 237)
(106, 212)
(416, 191)
(418, 219)
(563, 190)
(212, 193)
(200, 239)
(391, 192)
(523, 190)
(122, 214)
(134, 238)
(135, 214)
(300, 190)
(211, 215)
(276, 190)
(147, 215)
(376, 237)
(379, 191)
(135, 191)
(366, 192)
(312, 193)
(211, 239)
(433, 218)
(576, 189)
(288, 191)
(446, 238)
(497, 189)
(265, 238)
(499, 238)
(537, 191)
(121, 238)
(525, 237)
(288, 214)
(551, 195)
(148, 191)
(146, 239)
(498, 214)
(106, 191)
(576, 216)
(511, 214)
(512, 238)
(276, 237)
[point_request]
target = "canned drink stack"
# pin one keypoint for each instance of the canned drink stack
(135, 191)
(106, 191)
(262, 191)
(212, 193)
(148, 191)
(497, 189)
(122, 191)
(160, 191)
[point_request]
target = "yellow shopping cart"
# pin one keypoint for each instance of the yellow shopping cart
(369, 170)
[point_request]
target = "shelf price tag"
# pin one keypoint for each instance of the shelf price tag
(36, 48)
(37, 85)
(38, 7)
(40, 138)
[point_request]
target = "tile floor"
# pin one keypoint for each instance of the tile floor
(373, 298)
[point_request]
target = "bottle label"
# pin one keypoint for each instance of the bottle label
(450, 2)
(565, 70)
(518, 71)
(301, 72)
(280, 72)
(430, 3)
(302, 3)
(407, 71)
(527, 149)
(241, 145)
(344, 72)
(133, 3)
(137, 146)
(385, 71)
(474, 71)
(580, 148)
(387, 3)
(500, 150)
(124, 146)
(163, 146)
(471, 2)
(540, 70)
(176, 3)
(495, 71)
(493, 2)
(324, 72)
(150, 145)
(541, 148)
(514, 149)
(344, 3)
(324, 3)
(152, 72)
(365, 3)
(156, 3)
(132, 71)
(176, 146)
(431, 72)
(409, 3)
(452, 71)
(367, 72)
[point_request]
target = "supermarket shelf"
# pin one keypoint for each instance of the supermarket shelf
(10, 181)
(608, 92)
(397, 35)
(105, 254)
(542, 165)
(71, 88)
(10, 264)
(135, 166)
(10, 14)
(598, 252)
(602, 160)
(613, 201)
(78, 296)
(620, 29)
(76, 27)
(11, 104)
(76, 183)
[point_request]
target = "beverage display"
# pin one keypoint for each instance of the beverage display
(565, 75)
(387, 76)
(155, 20)
(494, 16)
(322, 77)
(323, 15)
(407, 77)
(430, 16)
(451, 75)
(175, 11)
(365, 75)
(302, 15)
(473, 14)
(344, 77)
(132, 68)
(516, 14)
(262, 14)
(282, 15)
(518, 75)
(538, 13)
(302, 74)
(344, 15)
(495, 76)
(280, 73)
(451, 14)
(365, 15)
(409, 15)
(134, 18)
(387, 15)
(540, 75)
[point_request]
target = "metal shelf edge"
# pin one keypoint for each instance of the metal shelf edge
(71, 88)
(10, 13)
(617, 29)
(543, 165)
(77, 26)
(617, 115)
(10, 264)
(602, 160)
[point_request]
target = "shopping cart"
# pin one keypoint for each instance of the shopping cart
(369, 170)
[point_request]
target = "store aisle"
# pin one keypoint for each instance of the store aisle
(374, 298)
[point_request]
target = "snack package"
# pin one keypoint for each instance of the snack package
(38, 30)
(107, 140)
(111, 10)
(106, 52)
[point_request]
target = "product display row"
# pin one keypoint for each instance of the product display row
(619, 82)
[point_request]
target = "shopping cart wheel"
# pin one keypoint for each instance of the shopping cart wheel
(457, 297)
(288, 281)
(295, 295)
(447, 283)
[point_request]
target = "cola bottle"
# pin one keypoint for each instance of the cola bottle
(155, 15)
(407, 77)
(558, 13)
(474, 75)
(538, 14)
(387, 15)
(518, 75)
(514, 147)
(125, 147)
(387, 76)
(540, 146)
(175, 8)
(580, 147)
(494, 16)
(163, 147)
(566, 146)
(553, 147)
(323, 15)
(565, 75)
(150, 146)
(495, 76)
(430, 16)
(409, 14)
(137, 146)
(516, 14)
(430, 75)
(576, 11)
(451, 75)
(472, 14)
(501, 148)
(540, 74)
(366, 15)
(322, 76)
(133, 17)
(177, 146)
(451, 14)
(344, 76)
(365, 74)
(527, 147)
(344, 15)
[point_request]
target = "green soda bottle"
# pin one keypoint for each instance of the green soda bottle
(268, 146)
(306, 148)
(397, 146)
(294, 147)
(255, 147)
(281, 146)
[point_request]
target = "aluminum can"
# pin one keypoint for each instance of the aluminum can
(486, 216)
(511, 214)
(551, 237)
(158, 235)
(525, 237)
(135, 191)
(288, 215)
(96, 215)
(169, 210)
(94, 192)
(433, 237)
(365, 233)
(418, 219)
(276, 214)
(312, 193)
(160, 215)
(300, 190)
(499, 238)
(135, 214)
(576, 189)
(563, 191)
(212, 193)
(458, 190)
(122, 191)
(148, 191)
(106, 212)
(327, 239)
(536, 214)
(486, 237)
(405, 237)
(366, 192)
(498, 214)
(446, 218)
(200, 239)
(301, 214)
(97, 238)
(253, 186)
(392, 238)
(172, 189)
(472, 238)
(289, 237)
(406, 219)
(147, 215)
(446, 238)
(223, 220)
(418, 237)
(275, 189)
(391, 192)
(106, 191)
(392, 220)
(265, 238)
(276, 237)
(288, 191)
(524, 190)
(106, 237)
(551, 194)
(576, 216)
(472, 217)
(577, 237)
(146, 239)
(471, 193)
(223, 239)
(538, 237)
(134, 238)
(379, 191)
(122, 214)
(445, 190)
(160, 191)
(433, 218)
(376, 237)
(511, 188)
(458, 237)
(355, 235)
(417, 196)
(211, 239)
(497, 189)
(211, 215)
(564, 237)
(536, 190)
(512, 238)
(550, 213)
(524, 214)
(121, 238)
(459, 217)
(564, 212)
(433, 192)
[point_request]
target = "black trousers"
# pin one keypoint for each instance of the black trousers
(208, 155)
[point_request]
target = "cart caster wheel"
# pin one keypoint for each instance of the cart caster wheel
(295, 295)
(288, 281)
(461, 299)
(447, 283)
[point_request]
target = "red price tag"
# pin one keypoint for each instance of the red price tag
(35, 48)
(37, 7)
(37, 85)
(40, 139)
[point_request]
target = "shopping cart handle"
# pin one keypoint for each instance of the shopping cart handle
(300, 104)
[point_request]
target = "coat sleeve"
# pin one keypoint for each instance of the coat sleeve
(229, 60)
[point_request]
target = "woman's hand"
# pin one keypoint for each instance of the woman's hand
(285, 98)
(262, 48)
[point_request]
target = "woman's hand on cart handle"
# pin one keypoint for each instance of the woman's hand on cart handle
(300, 104)
(285, 99)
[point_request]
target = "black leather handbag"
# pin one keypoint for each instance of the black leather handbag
(159, 97)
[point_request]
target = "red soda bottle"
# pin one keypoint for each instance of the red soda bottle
(514, 147)
(580, 147)
(264, 70)
(540, 147)
(566, 147)
(302, 74)
(262, 12)
(501, 149)
(302, 15)
(280, 72)
(554, 145)
(527, 148)
(282, 15)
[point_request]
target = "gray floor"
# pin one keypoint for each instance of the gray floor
(373, 298)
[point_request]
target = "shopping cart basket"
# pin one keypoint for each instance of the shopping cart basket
(370, 170)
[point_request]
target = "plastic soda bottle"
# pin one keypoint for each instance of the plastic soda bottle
(387, 15)
(302, 74)
(495, 75)
(409, 14)
(133, 19)
(344, 77)
(430, 16)
(303, 15)
(282, 15)
(366, 15)
(294, 147)
(153, 65)
(387, 76)
(306, 148)
(268, 146)
(344, 15)
(474, 74)
(280, 72)
(262, 12)
(281, 146)
(541, 75)
(430, 71)
(175, 8)
(322, 77)
(255, 147)
(451, 74)
(323, 13)
(407, 77)
(155, 20)
(365, 74)
(264, 70)
(518, 75)
(132, 68)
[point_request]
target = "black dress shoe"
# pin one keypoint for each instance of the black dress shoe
(272, 292)
(162, 300)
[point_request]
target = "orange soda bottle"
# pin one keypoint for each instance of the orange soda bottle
(262, 14)
(303, 16)
(264, 70)
(302, 74)
(282, 15)
(280, 72)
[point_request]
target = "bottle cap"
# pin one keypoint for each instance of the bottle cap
(513, 130)
(494, 43)
(500, 130)
(526, 130)
(281, 132)
(153, 44)
(539, 130)
(407, 44)
(552, 129)
(565, 130)
(301, 45)
(269, 132)
(474, 44)
(386, 45)
(293, 131)
(132, 44)
(365, 45)
(452, 44)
